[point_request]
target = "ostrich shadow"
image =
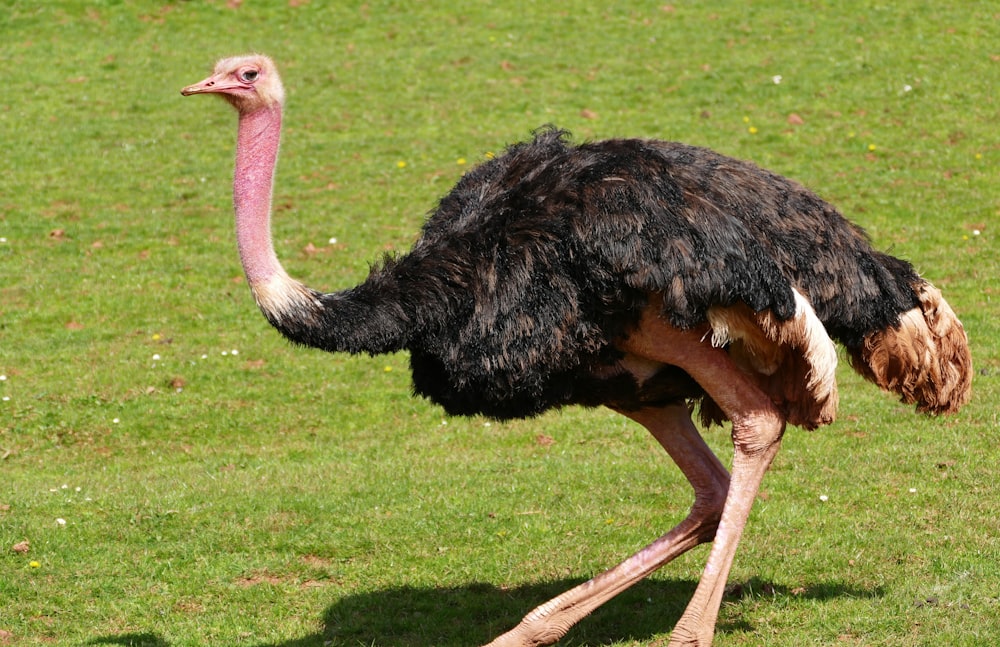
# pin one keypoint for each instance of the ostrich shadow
(475, 613)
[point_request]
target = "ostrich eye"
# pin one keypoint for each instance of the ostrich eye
(249, 75)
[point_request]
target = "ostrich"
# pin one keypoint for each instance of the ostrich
(654, 278)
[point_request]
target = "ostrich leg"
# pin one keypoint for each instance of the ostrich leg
(756, 434)
(672, 427)
(757, 430)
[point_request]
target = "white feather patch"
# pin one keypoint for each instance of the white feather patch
(818, 349)
(282, 297)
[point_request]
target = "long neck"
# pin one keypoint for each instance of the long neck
(253, 184)
(279, 297)
(360, 319)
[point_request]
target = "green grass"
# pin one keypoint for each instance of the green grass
(285, 497)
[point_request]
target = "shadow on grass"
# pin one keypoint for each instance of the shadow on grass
(132, 640)
(476, 613)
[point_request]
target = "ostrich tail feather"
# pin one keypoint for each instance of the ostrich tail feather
(924, 357)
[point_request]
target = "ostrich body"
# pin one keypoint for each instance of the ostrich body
(646, 276)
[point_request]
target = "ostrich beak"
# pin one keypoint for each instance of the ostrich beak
(217, 83)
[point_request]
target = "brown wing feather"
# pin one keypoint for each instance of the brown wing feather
(925, 358)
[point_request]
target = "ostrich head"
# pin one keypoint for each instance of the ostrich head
(249, 83)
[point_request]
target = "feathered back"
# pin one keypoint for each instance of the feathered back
(539, 259)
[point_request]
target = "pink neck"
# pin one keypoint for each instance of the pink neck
(253, 183)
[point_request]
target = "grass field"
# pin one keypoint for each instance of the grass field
(173, 473)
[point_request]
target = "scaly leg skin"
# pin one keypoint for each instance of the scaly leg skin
(757, 430)
(673, 428)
